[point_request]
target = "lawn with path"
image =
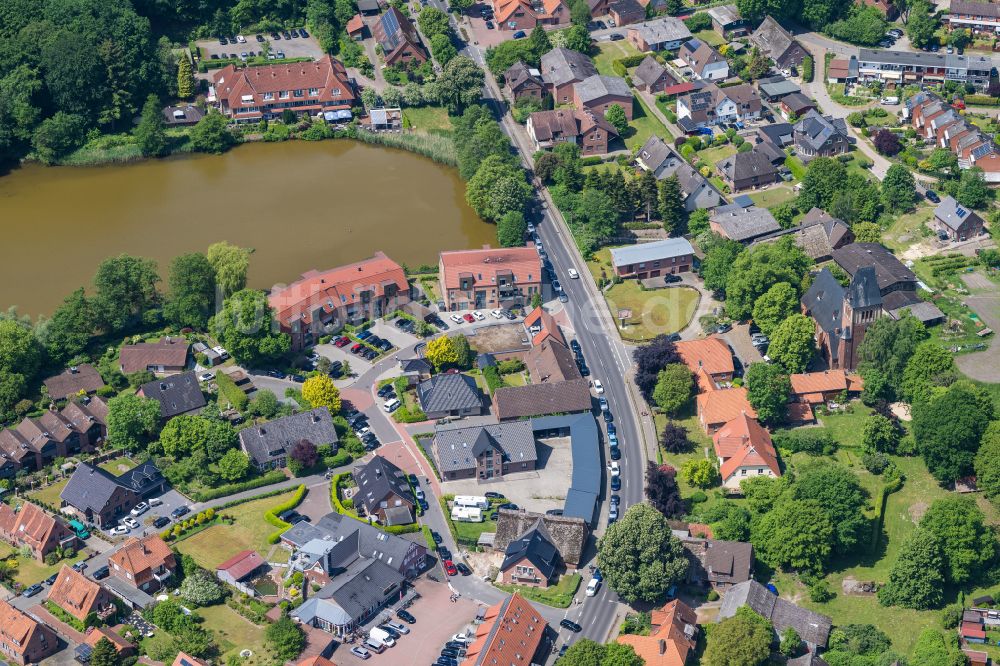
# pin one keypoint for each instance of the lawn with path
(608, 52)
(774, 195)
(654, 311)
(645, 125)
(710, 37)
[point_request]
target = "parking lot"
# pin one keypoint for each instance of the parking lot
(292, 48)
(171, 500)
(739, 339)
(480, 34)
(438, 619)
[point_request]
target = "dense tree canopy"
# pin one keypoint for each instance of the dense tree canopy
(741, 640)
(126, 291)
(793, 345)
(774, 306)
(639, 556)
(673, 388)
(662, 491)
(885, 350)
(132, 421)
(192, 291)
(244, 327)
(795, 534)
(935, 649)
(720, 255)
(586, 652)
(967, 543)
(754, 271)
(649, 359)
(948, 428)
(185, 434)
(916, 579)
(768, 388)
(987, 462)
(839, 492)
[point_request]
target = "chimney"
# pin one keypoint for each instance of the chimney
(73, 370)
(662, 644)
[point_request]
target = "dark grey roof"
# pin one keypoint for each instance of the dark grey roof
(662, 30)
(273, 440)
(746, 165)
(585, 443)
(742, 224)
(485, 360)
(655, 153)
(952, 214)
(368, 5)
(536, 546)
(774, 41)
(449, 392)
(863, 290)
(813, 628)
(650, 70)
(777, 86)
(567, 533)
(379, 481)
(797, 103)
(663, 162)
(177, 394)
(561, 66)
(141, 478)
(90, 487)
(419, 365)
(514, 402)
(824, 301)
(519, 73)
(888, 268)
(371, 541)
(817, 233)
(362, 585)
(816, 130)
(725, 562)
(598, 86)
(725, 14)
(456, 447)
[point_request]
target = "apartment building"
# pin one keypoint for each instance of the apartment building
(979, 17)
(905, 67)
(490, 278)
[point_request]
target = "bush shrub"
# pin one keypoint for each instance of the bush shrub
(271, 515)
(274, 476)
(230, 391)
(510, 366)
(698, 497)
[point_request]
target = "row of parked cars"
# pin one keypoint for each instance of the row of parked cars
(359, 423)
(247, 54)
(276, 36)
(381, 637)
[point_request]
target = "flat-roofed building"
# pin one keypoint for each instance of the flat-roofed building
(649, 260)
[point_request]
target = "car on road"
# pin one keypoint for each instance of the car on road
(612, 514)
(130, 522)
(567, 623)
(616, 483)
(436, 537)
(494, 495)
(478, 315)
(139, 509)
(449, 568)
(100, 573)
(616, 453)
(670, 278)
(593, 586)
(161, 521)
(573, 275)
(360, 652)
(598, 387)
(464, 570)
(405, 616)
(564, 298)
(180, 511)
(32, 590)
(520, 34)
(608, 417)
(614, 468)
(468, 318)
(603, 402)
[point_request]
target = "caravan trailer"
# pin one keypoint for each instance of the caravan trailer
(467, 514)
(472, 501)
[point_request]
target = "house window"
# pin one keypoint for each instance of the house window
(314, 92)
(298, 93)
(283, 94)
(335, 91)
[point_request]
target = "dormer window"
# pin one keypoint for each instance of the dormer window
(298, 93)
(268, 96)
(335, 92)
(314, 92)
(283, 94)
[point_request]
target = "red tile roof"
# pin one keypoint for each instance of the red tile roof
(241, 564)
(30, 526)
(337, 287)
(723, 406)
(247, 86)
(671, 638)
(743, 442)
(818, 382)
(484, 265)
(168, 352)
(139, 555)
(356, 24)
(709, 354)
(17, 629)
(187, 660)
(972, 630)
(509, 635)
(76, 594)
(549, 326)
(95, 634)
(315, 661)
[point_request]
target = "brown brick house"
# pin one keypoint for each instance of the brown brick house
(484, 452)
(399, 39)
(23, 639)
(598, 93)
(649, 260)
(98, 497)
(525, 15)
(32, 528)
(145, 564)
(522, 81)
(163, 357)
(957, 222)
(36, 441)
(531, 559)
(588, 130)
(489, 278)
(749, 170)
(80, 597)
(563, 68)
(651, 76)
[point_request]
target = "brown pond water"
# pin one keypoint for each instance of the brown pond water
(301, 205)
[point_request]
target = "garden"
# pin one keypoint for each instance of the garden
(559, 595)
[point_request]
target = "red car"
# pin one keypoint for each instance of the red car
(342, 341)
(449, 568)
(356, 347)
(469, 318)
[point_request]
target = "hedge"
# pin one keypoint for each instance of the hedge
(409, 415)
(271, 515)
(339, 507)
(493, 380)
(982, 100)
(231, 392)
(621, 65)
(205, 65)
(593, 160)
(274, 476)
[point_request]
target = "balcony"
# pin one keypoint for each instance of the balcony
(163, 575)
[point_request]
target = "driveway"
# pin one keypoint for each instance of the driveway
(739, 339)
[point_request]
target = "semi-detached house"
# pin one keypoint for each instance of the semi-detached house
(562, 69)
(23, 639)
(30, 527)
(80, 426)
(589, 131)
(713, 105)
(248, 94)
(527, 14)
(979, 17)
(145, 564)
(936, 120)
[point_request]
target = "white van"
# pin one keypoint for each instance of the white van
(593, 586)
(154, 501)
(382, 636)
(392, 405)
(375, 646)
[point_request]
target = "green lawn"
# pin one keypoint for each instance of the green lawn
(431, 119)
(117, 466)
(234, 633)
(608, 52)
(50, 494)
(30, 570)
(908, 229)
(710, 37)
(796, 166)
(773, 195)
(645, 125)
(845, 427)
(714, 155)
(654, 311)
(471, 531)
(250, 531)
(559, 595)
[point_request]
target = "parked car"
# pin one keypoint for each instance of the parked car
(79, 566)
(932, 196)
(32, 590)
(118, 530)
(616, 483)
(603, 402)
(598, 387)
(180, 511)
(449, 568)
(575, 346)
(436, 537)
(616, 452)
(303, 33)
(593, 586)
(566, 623)
(130, 522)
(617, 36)
(612, 514)
(614, 468)
(464, 570)
(101, 573)
(489, 25)
(360, 652)
(161, 521)
(612, 429)
(478, 315)
(405, 616)
(364, 335)
(554, 512)
(564, 298)
(520, 34)
(494, 495)
(444, 553)
(468, 317)
(497, 314)
(342, 340)
(139, 509)
(397, 627)
(670, 278)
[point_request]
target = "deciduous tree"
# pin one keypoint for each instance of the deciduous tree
(795, 534)
(740, 640)
(126, 291)
(321, 391)
(616, 115)
(824, 178)
(67, 333)
(511, 228)
(639, 556)
(662, 491)
(650, 358)
(867, 232)
(673, 388)
(185, 434)
(792, 344)
(720, 256)
(234, 465)
(768, 389)
(285, 638)
(898, 188)
(701, 473)
(132, 421)
(879, 434)
(674, 438)
(212, 135)
(934, 649)
(192, 291)
(916, 579)
(948, 428)
(931, 365)
(151, 133)
(839, 492)
(987, 462)
(497, 188)
(246, 326)
(886, 142)
(967, 543)
(757, 269)
(774, 306)
(231, 264)
(185, 78)
(304, 453)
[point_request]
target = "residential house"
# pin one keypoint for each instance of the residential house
(269, 444)
(75, 380)
(484, 452)
(30, 527)
(663, 162)
(842, 315)
(541, 326)
(249, 94)
(531, 559)
(523, 82)
(705, 62)
(80, 597)
(710, 361)
(99, 497)
(179, 394)
(816, 388)
(720, 564)
(23, 639)
(795, 105)
(717, 408)
(626, 12)
(122, 647)
(817, 234)
(241, 567)
(384, 492)
(321, 303)
(842, 70)
(598, 93)
(563, 68)
(551, 362)
(673, 635)
(666, 33)
(955, 221)
(775, 88)
(712, 105)
(527, 14)
(450, 395)
(886, 7)
(35, 442)
(744, 450)
(568, 534)
(915, 67)
(511, 632)
(145, 480)
(592, 132)
(517, 402)
(146, 563)
(669, 256)
(778, 44)
(978, 17)
(779, 135)
(749, 170)
(168, 356)
(936, 120)
(183, 659)
(727, 21)
(489, 278)
(399, 39)
(416, 370)
(356, 28)
(813, 628)
(743, 223)
(652, 77)
(816, 135)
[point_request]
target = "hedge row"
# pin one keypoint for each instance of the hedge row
(621, 65)
(230, 391)
(206, 65)
(271, 515)
(982, 100)
(274, 476)
(807, 69)
(199, 521)
(339, 507)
